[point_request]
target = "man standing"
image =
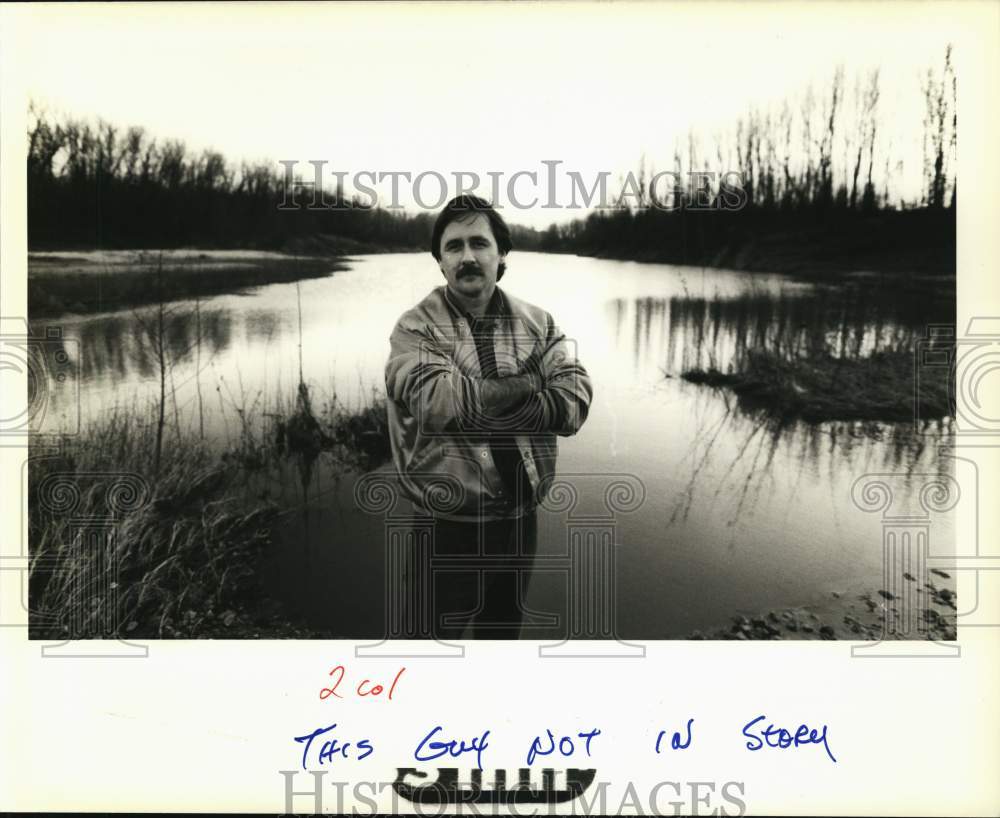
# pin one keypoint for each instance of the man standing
(480, 384)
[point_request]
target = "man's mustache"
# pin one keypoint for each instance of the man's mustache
(469, 270)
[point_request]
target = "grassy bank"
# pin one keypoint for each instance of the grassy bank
(179, 552)
(96, 281)
(821, 387)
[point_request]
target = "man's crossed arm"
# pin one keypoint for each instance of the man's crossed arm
(551, 393)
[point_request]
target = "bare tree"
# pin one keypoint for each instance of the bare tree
(156, 333)
(154, 328)
(826, 140)
(939, 142)
(866, 104)
(785, 126)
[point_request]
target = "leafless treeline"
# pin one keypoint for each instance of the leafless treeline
(96, 184)
(830, 148)
(811, 169)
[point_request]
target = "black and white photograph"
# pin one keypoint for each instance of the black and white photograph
(398, 334)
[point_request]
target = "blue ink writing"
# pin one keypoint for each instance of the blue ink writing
(565, 745)
(676, 742)
(454, 748)
(780, 737)
(333, 748)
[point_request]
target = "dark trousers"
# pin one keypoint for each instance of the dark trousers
(480, 576)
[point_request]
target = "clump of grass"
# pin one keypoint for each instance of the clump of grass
(363, 432)
(357, 438)
(182, 560)
(179, 558)
(822, 387)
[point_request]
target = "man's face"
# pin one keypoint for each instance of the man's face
(470, 257)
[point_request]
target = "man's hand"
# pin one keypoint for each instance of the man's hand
(533, 366)
(500, 395)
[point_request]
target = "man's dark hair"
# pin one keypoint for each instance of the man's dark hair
(464, 206)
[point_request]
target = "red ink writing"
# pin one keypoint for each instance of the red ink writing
(366, 688)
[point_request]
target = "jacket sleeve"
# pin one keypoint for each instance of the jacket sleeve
(567, 391)
(422, 376)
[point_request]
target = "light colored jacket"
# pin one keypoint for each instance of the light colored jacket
(434, 385)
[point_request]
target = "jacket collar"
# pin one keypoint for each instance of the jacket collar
(496, 306)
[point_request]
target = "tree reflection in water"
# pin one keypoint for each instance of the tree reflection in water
(735, 444)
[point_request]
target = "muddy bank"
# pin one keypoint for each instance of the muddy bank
(99, 281)
(852, 617)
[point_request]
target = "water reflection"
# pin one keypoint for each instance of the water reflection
(731, 459)
(719, 331)
(123, 345)
(263, 325)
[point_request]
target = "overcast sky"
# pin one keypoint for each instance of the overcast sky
(472, 88)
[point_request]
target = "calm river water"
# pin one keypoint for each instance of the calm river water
(737, 514)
